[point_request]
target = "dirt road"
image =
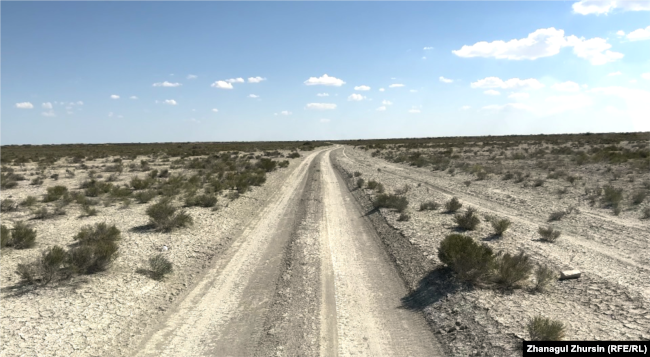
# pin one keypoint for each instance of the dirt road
(308, 277)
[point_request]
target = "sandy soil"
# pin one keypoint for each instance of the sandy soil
(611, 301)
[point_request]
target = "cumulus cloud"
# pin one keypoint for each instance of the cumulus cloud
(192, 76)
(542, 43)
(215, 110)
(49, 113)
(381, 89)
(167, 84)
(255, 79)
(445, 80)
(321, 106)
(361, 88)
(639, 35)
(603, 7)
(567, 86)
(221, 84)
(253, 96)
(115, 96)
(170, 102)
(286, 112)
(518, 96)
(615, 74)
(47, 105)
(80, 103)
(465, 107)
(492, 92)
(356, 97)
(386, 102)
(323, 95)
(513, 83)
(235, 80)
(506, 107)
(381, 109)
(325, 80)
(24, 105)
(396, 85)
(428, 48)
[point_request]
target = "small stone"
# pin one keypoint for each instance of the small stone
(570, 274)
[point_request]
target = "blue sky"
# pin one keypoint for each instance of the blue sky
(225, 71)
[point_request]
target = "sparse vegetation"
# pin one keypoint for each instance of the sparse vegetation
(145, 196)
(429, 206)
(356, 174)
(201, 201)
(8, 205)
(639, 197)
(544, 276)
(160, 266)
(391, 201)
(500, 225)
(544, 329)
(165, 217)
(467, 221)
(612, 196)
(512, 270)
(360, 182)
(5, 237)
(472, 262)
(22, 236)
(29, 201)
(556, 216)
(403, 217)
(549, 234)
(453, 205)
(54, 193)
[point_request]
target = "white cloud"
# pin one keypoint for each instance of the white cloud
(286, 112)
(235, 80)
(519, 96)
(413, 91)
(361, 88)
(615, 74)
(47, 105)
(324, 120)
(321, 106)
(567, 86)
(255, 79)
(465, 107)
(506, 107)
(620, 33)
(513, 83)
(381, 89)
(221, 84)
(428, 48)
(382, 108)
(542, 43)
(322, 95)
(386, 102)
(115, 96)
(253, 96)
(646, 76)
(414, 111)
(445, 80)
(356, 97)
(600, 7)
(110, 114)
(170, 102)
(192, 76)
(80, 103)
(167, 84)
(49, 113)
(215, 110)
(639, 35)
(325, 80)
(492, 92)
(24, 105)
(396, 85)
(133, 97)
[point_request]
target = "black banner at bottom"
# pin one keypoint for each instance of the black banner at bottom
(589, 348)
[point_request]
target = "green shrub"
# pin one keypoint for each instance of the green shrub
(403, 217)
(29, 201)
(139, 184)
(42, 213)
(508, 176)
(549, 234)
(538, 183)
(357, 174)
(467, 183)
(467, 221)
(160, 266)
(88, 210)
(544, 329)
(612, 196)
(92, 257)
(50, 264)
(120, 192)
(293, 155)
(99, 232)
(471, 261)
(360, 182)
(164, 216)
(481, 175)
(152, 174)
(391, 201)
(556, 216)
(23, 236)
(453, 205)
(544, 276)
(201, 201)
(511, 270)
(5, 238)
(54, 193)
(164, 173)
(8, 205)
(267, 165)
(638, 197)
(283, 164)
(28, 273)
(37, 181)
(145, 196)
(429, 206)
(94, 188)
(372, 184)
(500, 225)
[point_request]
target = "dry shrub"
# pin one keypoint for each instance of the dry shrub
(429, 206)
(467, 221)
(471, 261)
(22, 236)
(500, 225)
(549, 234)
(453, 205)
(544, 329)
(160, 266)
(544, 276)
(164, 216)
(512, 270)
(391, 201)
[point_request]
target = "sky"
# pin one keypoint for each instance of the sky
(117, 72)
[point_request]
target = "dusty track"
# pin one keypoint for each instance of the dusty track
(308, 277)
